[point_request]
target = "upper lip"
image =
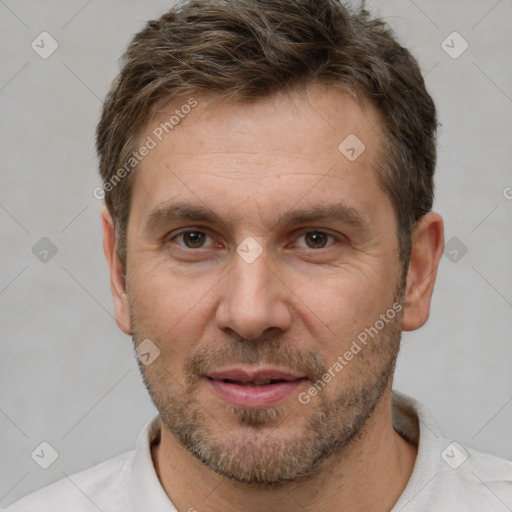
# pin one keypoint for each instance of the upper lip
(242, 375)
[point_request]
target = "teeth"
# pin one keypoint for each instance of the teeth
(261, 382)
(251, 383)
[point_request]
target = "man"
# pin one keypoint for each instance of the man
(268, 176)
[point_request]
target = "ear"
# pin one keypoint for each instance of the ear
(117, 281)
(427, 249)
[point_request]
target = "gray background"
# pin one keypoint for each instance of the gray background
(68, 375)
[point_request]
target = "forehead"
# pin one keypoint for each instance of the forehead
(307, 121)
(327, 139)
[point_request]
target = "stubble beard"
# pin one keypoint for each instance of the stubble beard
(265, 451)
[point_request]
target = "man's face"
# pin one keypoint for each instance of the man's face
(244, 334)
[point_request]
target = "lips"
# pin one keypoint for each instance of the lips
(247, 376)
(265, 382)
(254, 389)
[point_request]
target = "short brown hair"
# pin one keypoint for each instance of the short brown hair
(245, 50)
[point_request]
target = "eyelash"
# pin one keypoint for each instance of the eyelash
(337, 238)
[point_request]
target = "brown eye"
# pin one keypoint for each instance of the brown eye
(192, 239)
(315, 239)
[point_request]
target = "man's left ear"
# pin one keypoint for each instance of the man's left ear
(426, 252)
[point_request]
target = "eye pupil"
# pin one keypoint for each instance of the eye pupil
(318, 239)
(195, 238)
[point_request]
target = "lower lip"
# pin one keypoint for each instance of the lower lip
(255, 397)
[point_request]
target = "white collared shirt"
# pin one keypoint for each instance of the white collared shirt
(447, 476)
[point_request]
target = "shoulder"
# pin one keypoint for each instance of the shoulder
(93, 489)
(448, 476)
(494, 473)
(472, 480)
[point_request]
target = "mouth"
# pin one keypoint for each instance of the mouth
(254, 389)
(254, 383)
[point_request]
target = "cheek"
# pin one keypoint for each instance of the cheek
(169, 310)
(345, 301)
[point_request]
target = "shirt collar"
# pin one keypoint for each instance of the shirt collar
(415, 424)
(144, 483)
(410, 419)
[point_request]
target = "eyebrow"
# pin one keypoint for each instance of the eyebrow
(338, 212)
(331, 212)
(181, 211)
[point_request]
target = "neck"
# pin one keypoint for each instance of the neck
(368, 475)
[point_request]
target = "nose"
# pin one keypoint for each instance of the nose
(253, 299)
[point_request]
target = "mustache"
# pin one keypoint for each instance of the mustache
(263, 351)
